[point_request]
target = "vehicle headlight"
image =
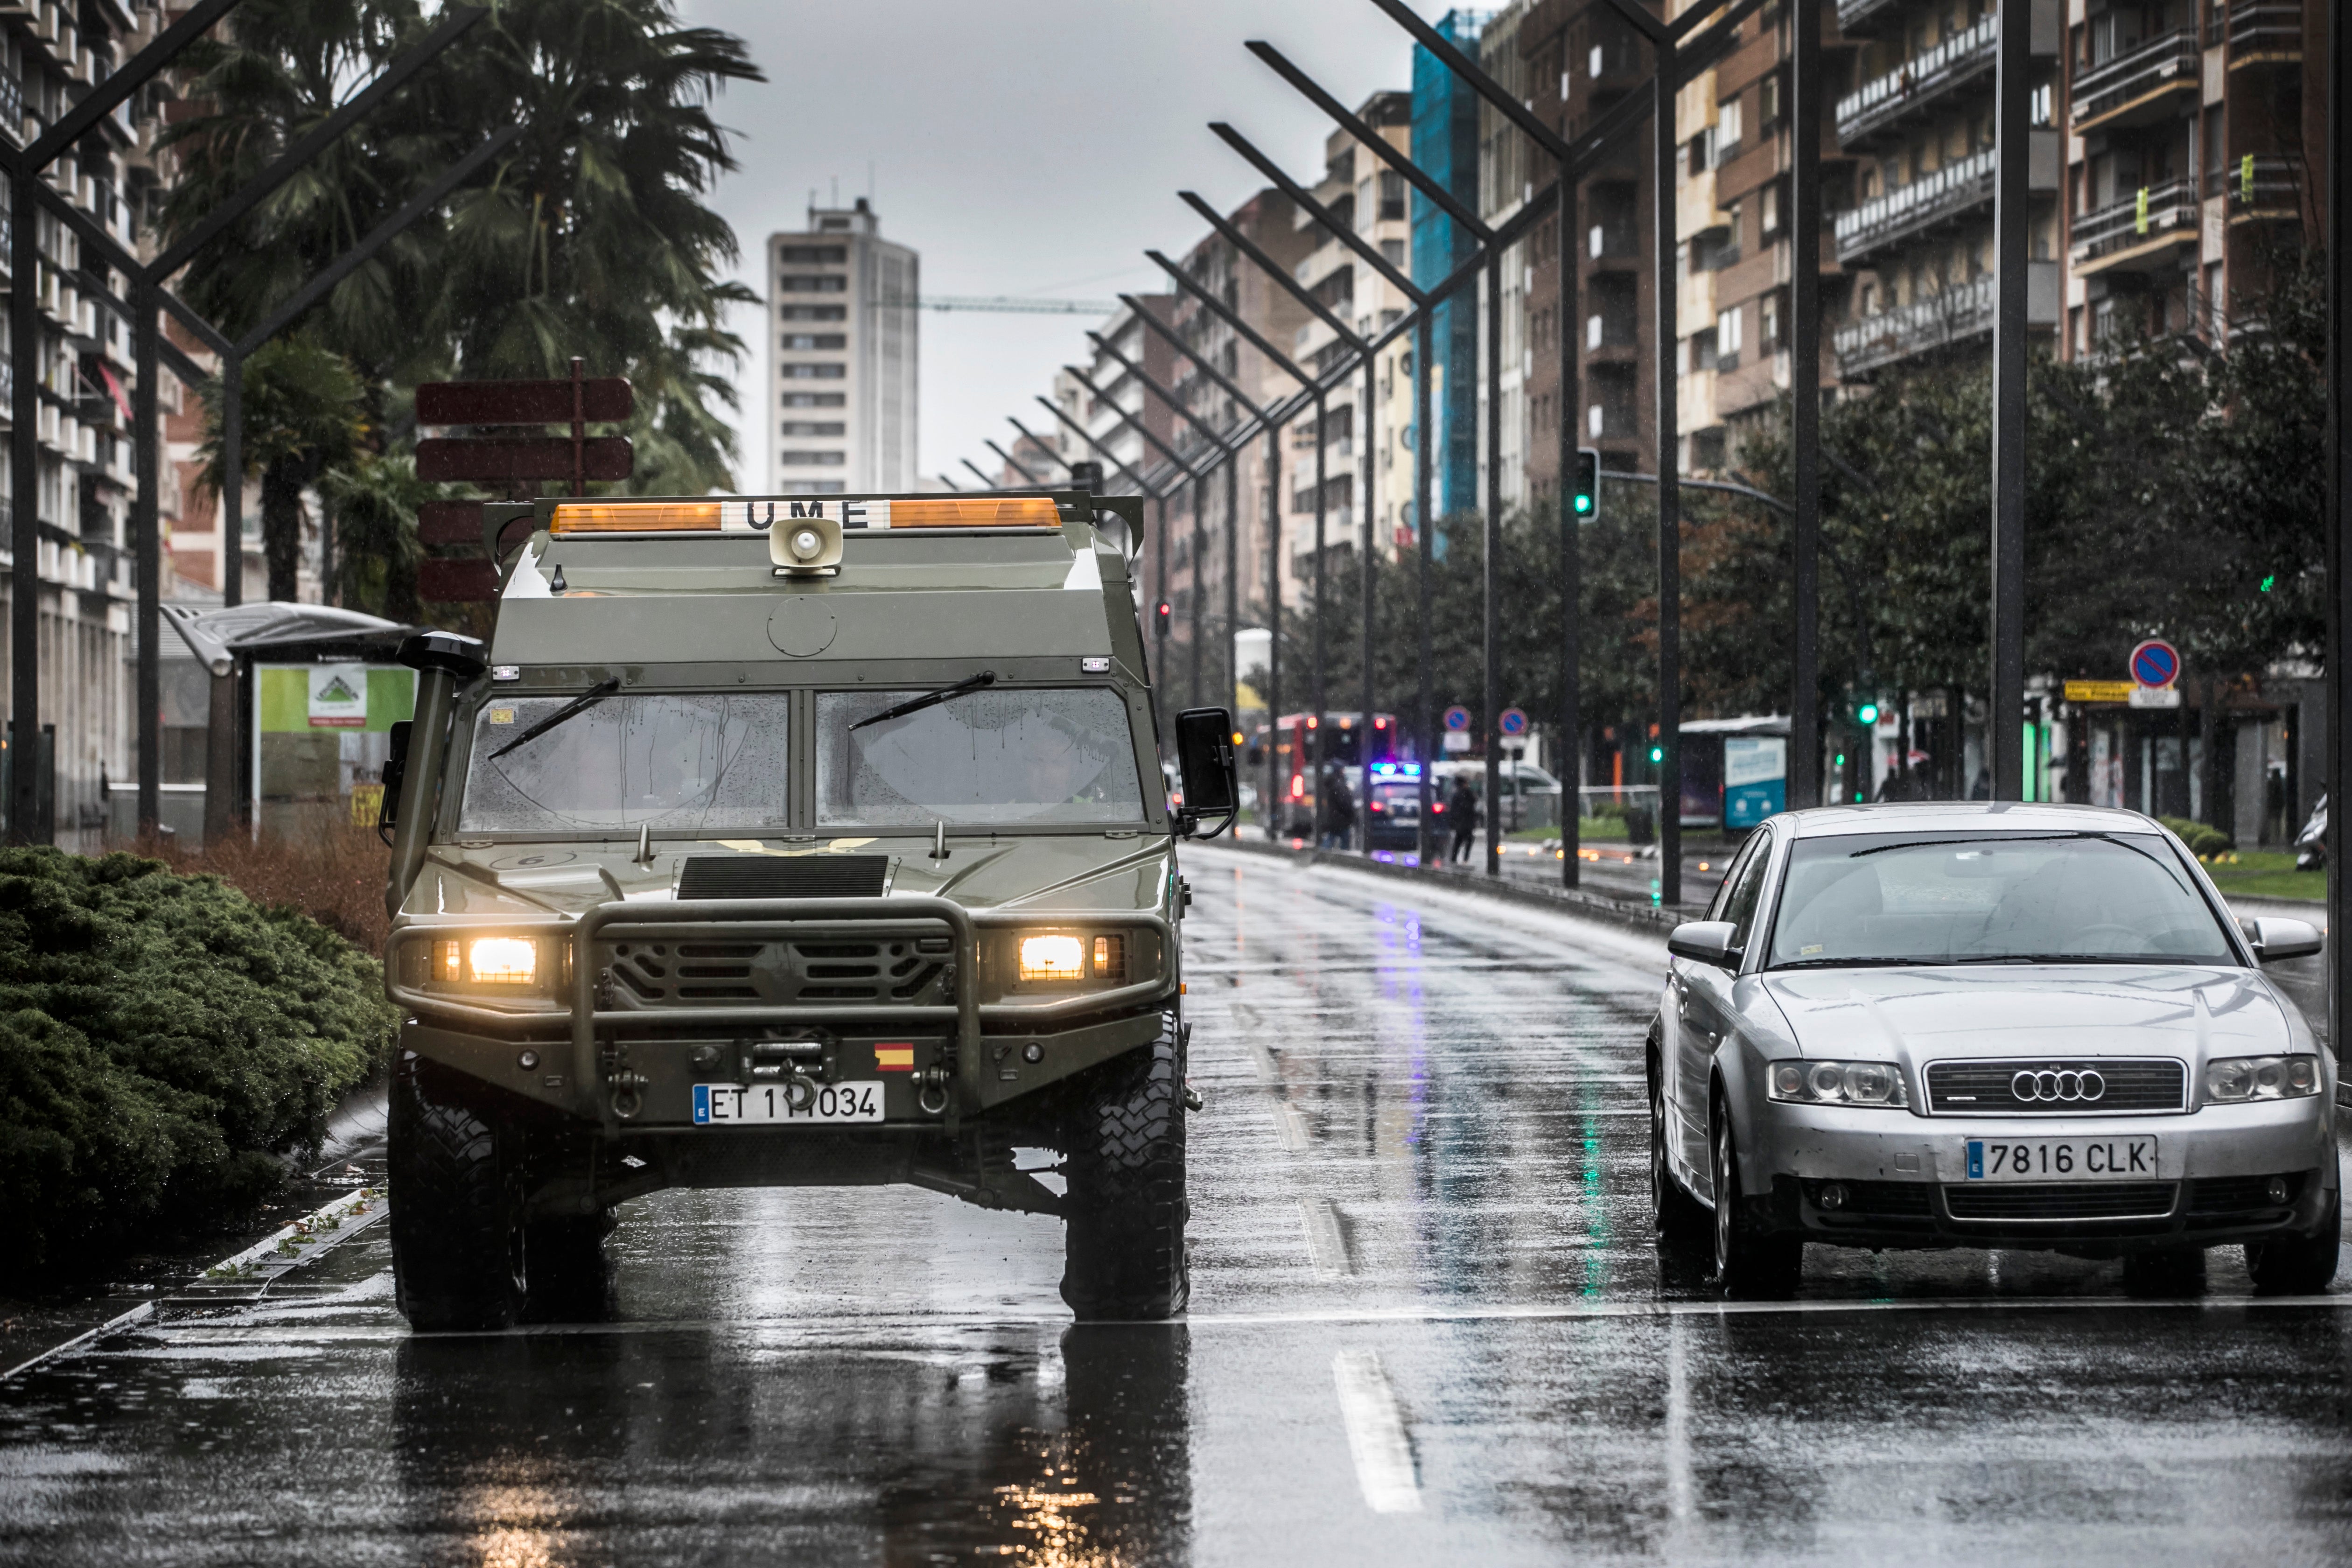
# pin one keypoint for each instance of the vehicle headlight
(2237, 1078)
(1836, 1083)
(1053, 958)
(486, 960)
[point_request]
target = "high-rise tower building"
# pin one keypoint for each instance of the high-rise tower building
(841, 321)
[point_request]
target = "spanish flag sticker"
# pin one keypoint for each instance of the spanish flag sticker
(894, 1058)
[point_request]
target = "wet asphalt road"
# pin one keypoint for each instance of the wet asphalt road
(1427, 1326)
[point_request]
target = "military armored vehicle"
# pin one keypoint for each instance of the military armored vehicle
(794, 842)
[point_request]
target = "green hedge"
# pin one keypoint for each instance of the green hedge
(163, 1040)
(2201, 838)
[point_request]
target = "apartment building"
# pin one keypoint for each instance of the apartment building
(1580, 58)
(842, 337)
(1112, 400)
(1360, 191)
(84, 572)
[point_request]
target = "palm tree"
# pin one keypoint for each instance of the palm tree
(588, 236)
(303, 414)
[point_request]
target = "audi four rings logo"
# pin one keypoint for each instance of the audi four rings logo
(2063, 1087)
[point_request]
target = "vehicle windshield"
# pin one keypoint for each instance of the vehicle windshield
(667, 760)
(1897, 897)
(996, 757)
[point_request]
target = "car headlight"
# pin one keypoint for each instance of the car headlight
(2237, 1078)
(1836, 1083)
(486, 960)
(1071, 956)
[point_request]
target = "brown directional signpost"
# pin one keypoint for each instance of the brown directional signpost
(518, 462)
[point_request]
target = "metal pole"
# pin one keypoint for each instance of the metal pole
(1275, 823)
(2012, 200)
(1670, 675)
(232, 492)
(146, 536)
(1368, 729)
(1232, 578)
(2339, 507)
(1321, 712)
(1423, 718)
(1159, 597)
(1200, 573)
(24, 525)
(1804, 771)
(1570, 762)
(1492, 688)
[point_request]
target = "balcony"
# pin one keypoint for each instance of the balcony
(1958, 313)
(2260, 186)
(1922, 84)
(2141, 233)
(2266, 32)
(2147, 81)
(1857, 18)
(1952, 192)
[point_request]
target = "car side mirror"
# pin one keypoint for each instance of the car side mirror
(2274, 938)
(1204, 757)
(1704, 941)
(395, 773)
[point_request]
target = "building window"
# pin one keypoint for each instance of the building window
(816, 428)
(1768, 208)
(813, 372)
(812, 283)
(1727, 134)
(812, 313)
(816, 341)
(1392, 252)
(812, 254)
(812, 487)
(1767, 322)
(794, 459)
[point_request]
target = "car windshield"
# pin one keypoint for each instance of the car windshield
(667, 760)
(996, 757)
(1895, 899)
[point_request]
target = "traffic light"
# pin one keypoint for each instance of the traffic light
(1164, 616)
(1585, 497)
(1863, 701)
(1865, 712)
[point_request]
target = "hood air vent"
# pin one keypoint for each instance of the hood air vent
(781, 877)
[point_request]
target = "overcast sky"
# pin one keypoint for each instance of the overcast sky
(1031, 148)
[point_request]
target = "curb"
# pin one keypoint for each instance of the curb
(1595, 906)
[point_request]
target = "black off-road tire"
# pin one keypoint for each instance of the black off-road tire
(458, 1235)
(570, 1278)
(1685, 1232)
(2304, 1266)
(1125, 1209)
(1749, 1262)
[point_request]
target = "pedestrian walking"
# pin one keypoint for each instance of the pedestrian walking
(1462, 811)
(1337, 803)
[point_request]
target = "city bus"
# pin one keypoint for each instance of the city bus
(1295, 737)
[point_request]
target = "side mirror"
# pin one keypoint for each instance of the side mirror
(395, 772)
(2276, 939)
(1204, 756)
(1704, 941)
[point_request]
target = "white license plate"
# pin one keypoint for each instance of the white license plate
(2060, 1159)
(726, 1104)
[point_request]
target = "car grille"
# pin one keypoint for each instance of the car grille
(2061, 1201)
(723, 973)
(2137, 1086)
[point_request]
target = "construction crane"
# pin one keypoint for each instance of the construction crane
(1002, 304)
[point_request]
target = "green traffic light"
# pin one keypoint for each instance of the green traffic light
(1867, 712)
(1584, 503)
(1657, 754)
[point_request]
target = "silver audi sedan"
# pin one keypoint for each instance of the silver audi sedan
(1980, 1024)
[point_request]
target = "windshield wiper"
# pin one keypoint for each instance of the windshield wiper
(931, 698)
(1861, 963)
(580, 704)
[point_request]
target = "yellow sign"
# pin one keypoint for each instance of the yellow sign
(2099, 690)
(367, 804)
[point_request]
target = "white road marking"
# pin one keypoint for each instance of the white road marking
(1291, 1127)
(1326, 1243)
(1376, 1434)
(138, 1314)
